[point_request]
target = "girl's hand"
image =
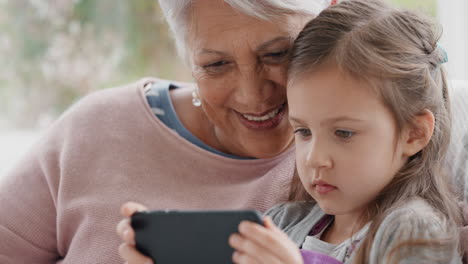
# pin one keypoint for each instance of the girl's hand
(127, 249)
(268, 244)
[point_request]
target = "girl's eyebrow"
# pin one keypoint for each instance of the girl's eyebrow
(328, 120)
(294, 119)
(342, 118)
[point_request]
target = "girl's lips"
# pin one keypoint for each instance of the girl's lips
(266, 124)
(324, 188)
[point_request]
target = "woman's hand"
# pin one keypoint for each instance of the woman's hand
(127, 249)
(263, 244)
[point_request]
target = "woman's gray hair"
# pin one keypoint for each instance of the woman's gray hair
(177, 12)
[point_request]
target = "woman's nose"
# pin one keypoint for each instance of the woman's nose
(252, 86)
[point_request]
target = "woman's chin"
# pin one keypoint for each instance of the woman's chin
(267, 144)
(267, 148)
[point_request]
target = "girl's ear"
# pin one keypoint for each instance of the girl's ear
(418, 134)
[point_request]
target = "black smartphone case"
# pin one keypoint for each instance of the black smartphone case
(182, 237)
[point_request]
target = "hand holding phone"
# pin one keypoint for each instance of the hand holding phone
(127, 249)
(173, 237)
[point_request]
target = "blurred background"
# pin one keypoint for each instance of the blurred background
(56, 51)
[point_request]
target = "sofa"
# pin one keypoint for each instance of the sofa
(457, 156)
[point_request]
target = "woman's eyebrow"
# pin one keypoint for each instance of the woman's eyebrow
(261, 47)
(210, 51)
(268, 43)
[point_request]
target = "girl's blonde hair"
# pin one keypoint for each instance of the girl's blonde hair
(396, 53)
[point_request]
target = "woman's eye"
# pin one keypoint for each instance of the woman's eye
(276, 56)
(303, 132)
(344, 134)
(215, 65)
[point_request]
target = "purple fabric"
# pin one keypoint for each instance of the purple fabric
(321, 224)
(312, 257)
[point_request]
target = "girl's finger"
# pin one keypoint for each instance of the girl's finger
(252, 250)
(277, 243)
(132, 256)
(270, 225)
(241, 258)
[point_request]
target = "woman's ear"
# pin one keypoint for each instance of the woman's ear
(418, 133)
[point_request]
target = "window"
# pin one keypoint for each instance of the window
(58, 51)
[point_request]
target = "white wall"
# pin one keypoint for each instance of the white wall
(453, 15)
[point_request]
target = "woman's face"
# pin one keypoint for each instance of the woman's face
(239, 64)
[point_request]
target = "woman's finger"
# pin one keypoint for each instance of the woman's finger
(132, 256)
(129, 208)
(127, 250)
(125, 231)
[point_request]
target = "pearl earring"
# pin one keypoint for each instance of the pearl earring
(196, 99)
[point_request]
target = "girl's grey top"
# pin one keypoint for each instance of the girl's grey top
(415, 220)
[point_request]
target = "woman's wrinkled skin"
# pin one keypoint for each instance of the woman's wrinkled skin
(239, 64)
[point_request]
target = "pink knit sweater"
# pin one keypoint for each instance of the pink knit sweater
(60, 203)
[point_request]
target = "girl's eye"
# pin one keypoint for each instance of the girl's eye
(303, 132)
(344, 134)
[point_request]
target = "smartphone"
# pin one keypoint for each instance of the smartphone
(181, 237)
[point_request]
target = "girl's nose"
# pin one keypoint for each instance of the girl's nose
(318, 156)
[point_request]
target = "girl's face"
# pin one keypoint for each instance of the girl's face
(347, 146)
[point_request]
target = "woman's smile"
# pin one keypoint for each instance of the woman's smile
(263, 121)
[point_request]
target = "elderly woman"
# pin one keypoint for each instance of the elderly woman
(222, 143)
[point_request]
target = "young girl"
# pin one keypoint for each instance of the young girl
(369, 105)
